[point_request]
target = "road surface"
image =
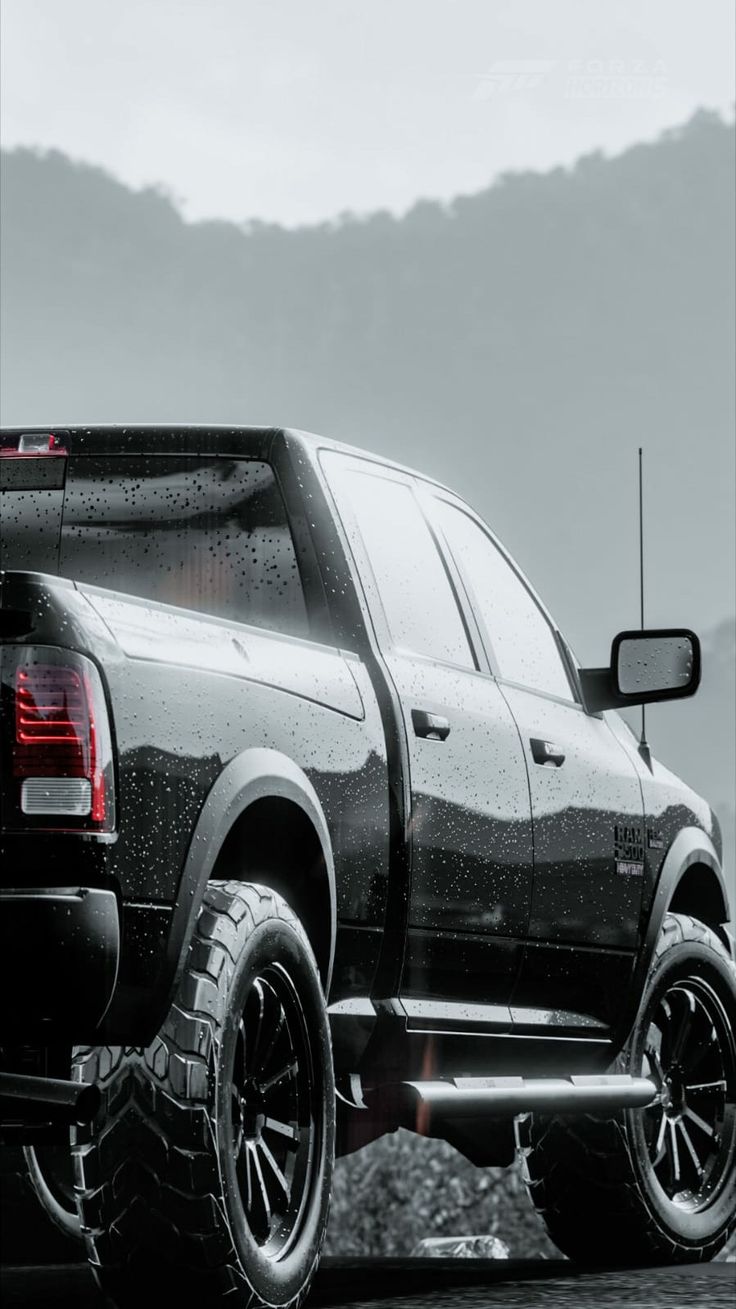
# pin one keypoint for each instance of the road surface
(437, 1284)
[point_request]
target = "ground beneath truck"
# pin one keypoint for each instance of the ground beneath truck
(416, 1283)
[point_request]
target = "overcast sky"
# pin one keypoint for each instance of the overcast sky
(297, 110)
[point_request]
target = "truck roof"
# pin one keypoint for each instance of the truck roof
(223, 437)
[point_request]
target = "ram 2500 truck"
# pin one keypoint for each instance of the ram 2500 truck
(313, 827)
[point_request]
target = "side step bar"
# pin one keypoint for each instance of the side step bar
(505, 1097)
(49, 1099)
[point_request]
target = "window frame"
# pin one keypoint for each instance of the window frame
(431, 493)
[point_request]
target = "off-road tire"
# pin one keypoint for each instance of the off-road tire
(602, 1186)
(171, 1199)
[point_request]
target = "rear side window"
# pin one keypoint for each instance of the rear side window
(204, 534)
(418, 603)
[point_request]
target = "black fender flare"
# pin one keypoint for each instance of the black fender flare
(255, 774)
(691, 846)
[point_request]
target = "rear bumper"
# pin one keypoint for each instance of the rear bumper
(59, 957)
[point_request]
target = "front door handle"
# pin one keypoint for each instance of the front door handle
(433, 727)
(545, 752)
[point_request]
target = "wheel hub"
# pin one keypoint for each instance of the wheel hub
(673, 1096)
(252, 1110)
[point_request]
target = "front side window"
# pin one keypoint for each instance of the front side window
(418, 602)
(205, 534)
(521, 638)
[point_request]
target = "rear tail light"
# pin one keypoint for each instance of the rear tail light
(61, 750)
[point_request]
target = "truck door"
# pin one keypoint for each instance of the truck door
(471, 846)
(586, 799)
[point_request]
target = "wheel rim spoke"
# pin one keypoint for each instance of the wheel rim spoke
(280, 1178)
(692, 1056)
(657, 1066)
(653, 1052)
(245, 1155)
(699, 1122)
(268, 1052)
(683, 1028)
(674, 1152)
(288, 1071)
(690, 1147)
(660, 1148)
(262, 1190)
(257, 1026)
(284, 1129)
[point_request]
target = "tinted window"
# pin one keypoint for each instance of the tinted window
(523, 642)
(210, 535)
(417, 599)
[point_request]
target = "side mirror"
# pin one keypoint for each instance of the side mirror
(650, 666)
(645, 667)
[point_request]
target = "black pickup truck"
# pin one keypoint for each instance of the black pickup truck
(312, 827)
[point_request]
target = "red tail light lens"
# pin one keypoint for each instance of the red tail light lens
(50, 707)
(61, 748)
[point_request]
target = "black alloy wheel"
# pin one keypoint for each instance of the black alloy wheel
(274, 1118)
(690, 1053)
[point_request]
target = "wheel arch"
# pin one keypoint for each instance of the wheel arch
(261, 812)
(690, 881)
(700, 892)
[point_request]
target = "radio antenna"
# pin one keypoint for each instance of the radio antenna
(643, 743)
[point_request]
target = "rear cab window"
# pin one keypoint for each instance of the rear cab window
(202, 533)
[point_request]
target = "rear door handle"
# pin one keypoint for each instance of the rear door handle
(433, 727)
(546, 752)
